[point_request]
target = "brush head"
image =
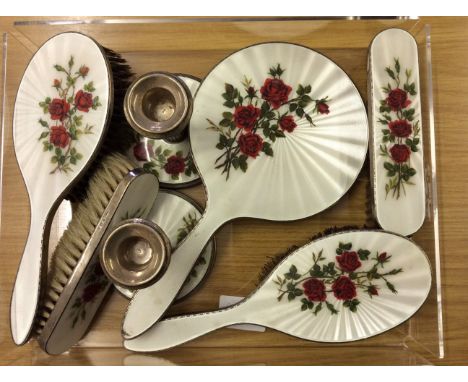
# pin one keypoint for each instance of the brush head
(78, 233)
(76, 284)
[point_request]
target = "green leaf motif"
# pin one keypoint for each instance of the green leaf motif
(318, 308)
(43, 135)
(243, 163)
(43, 123)
(391, 287)
(363, 254)
(229, 104)
(331, 308)
(59, 68)
(292, 274)
(89, 87)
(267, 149)
(352, 305)
(397, 65)
(388, 166)
(390, 73)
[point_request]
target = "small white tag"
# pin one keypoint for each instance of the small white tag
(225, 301)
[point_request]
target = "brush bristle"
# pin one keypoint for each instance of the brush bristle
(119, 136)
(112, 169)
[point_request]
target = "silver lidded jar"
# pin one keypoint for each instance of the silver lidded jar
(135, 254)
(159, 105)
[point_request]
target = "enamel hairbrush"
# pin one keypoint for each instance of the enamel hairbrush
(339, 288)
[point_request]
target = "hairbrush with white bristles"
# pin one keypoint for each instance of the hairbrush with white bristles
(76, 284)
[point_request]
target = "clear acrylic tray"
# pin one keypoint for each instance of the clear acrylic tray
(194, 46)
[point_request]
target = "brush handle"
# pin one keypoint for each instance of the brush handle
(178, 330)
(27, 284)
(148, 305)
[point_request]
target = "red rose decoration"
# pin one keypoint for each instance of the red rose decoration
(400, 128)
(175, 165)
(314, 289)
(250, 144)
(58, 109)
(84, 70)
(400, 153)
(349, 261)
(275, 91)
(372, 290)
(323, 108)
(382, 257)
(246, 116)
(143, 152)
(343, 288)
(57, 83)
(83, 101)
(287, 123)
(59, 136)
(251, 92)
(91, 291)
(397, 99)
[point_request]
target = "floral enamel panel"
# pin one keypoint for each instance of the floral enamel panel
(64, 119)
(351, 274)
(256, 116)
(396, 130)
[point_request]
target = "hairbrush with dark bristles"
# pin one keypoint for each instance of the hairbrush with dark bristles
(68, 113)
(342, 286)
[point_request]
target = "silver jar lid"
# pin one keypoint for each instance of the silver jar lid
(159, 105)
(135, 253)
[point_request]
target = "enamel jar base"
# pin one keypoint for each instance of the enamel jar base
(177, 214)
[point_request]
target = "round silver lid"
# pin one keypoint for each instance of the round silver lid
(135, 253)
(158, 105)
